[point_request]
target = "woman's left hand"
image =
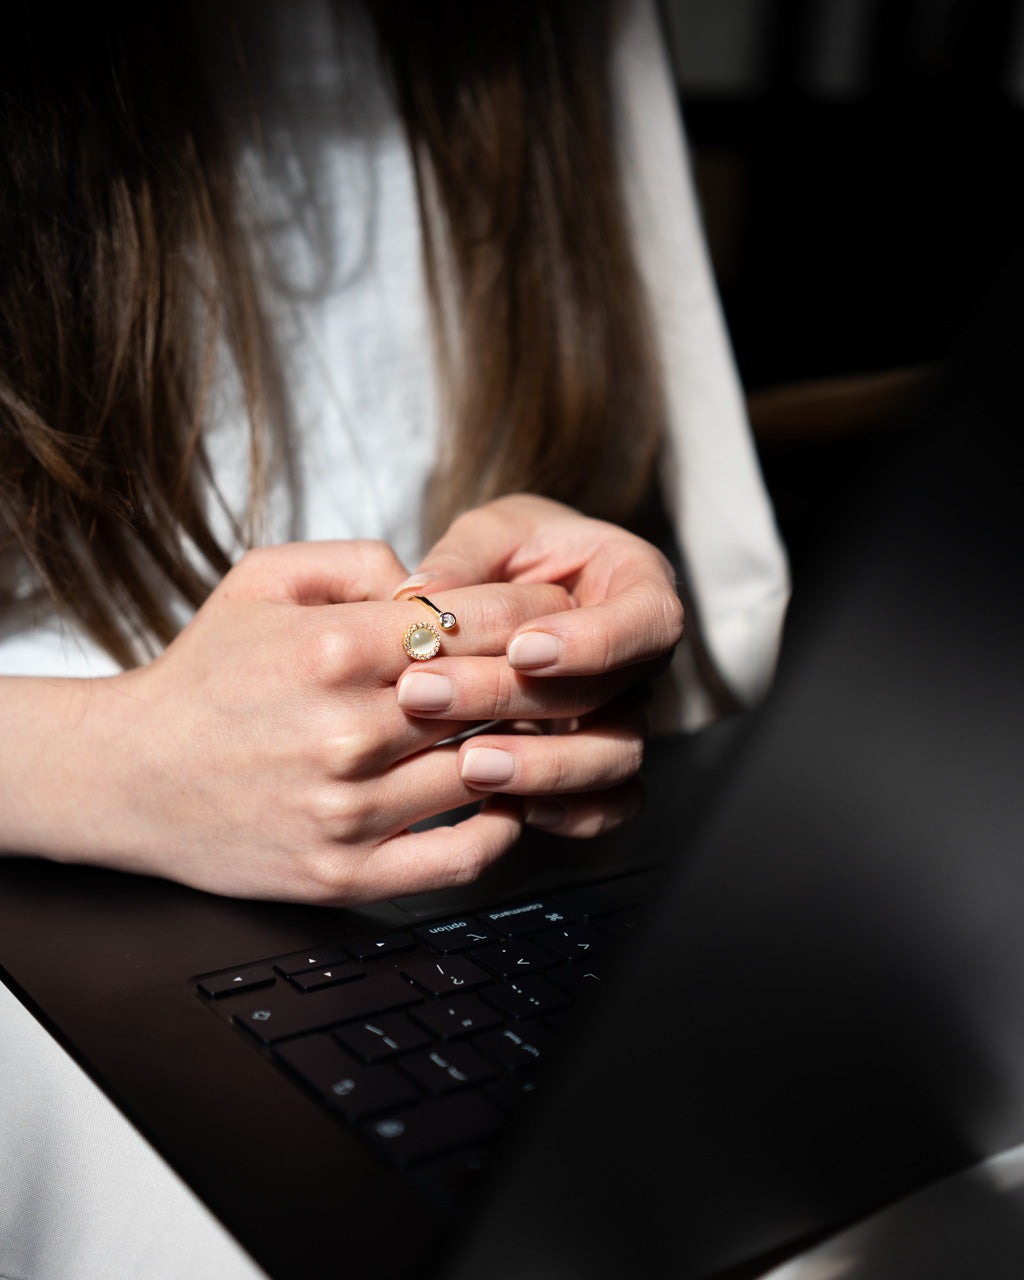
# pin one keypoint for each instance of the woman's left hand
(588, 666)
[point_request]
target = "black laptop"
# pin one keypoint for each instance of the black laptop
(789, 993)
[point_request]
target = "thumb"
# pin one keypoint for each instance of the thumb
(318, 573)
(479, 545)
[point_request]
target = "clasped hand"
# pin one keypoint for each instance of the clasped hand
(284, 743)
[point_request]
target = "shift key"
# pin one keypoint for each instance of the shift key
(282, 1013)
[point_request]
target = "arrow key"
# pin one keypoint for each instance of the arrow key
(226, 984)
(380, 944)
(507, 958)
(329, 977)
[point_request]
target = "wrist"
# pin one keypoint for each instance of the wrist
(61, 767)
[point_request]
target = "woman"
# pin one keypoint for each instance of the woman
(234, 255)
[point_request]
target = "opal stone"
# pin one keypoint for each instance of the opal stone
(421, 642)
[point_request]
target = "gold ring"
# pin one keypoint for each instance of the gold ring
(421, 640)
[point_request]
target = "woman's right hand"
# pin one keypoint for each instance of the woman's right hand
(264, 753)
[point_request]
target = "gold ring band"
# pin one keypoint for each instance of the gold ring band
(421, 640)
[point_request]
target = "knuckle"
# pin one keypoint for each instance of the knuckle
(504, 693)
(595, 824)
(673, 615)
(253, 565)
(498, 607)
(559, 775)
(507, 605)
(595, 818)
(376, 554)
(466, 865)
(325, 877)
(326, 653)
(608, 819)
(619, 761)
(316, 867)
(331, 810)
(464, 520)
(342, 812)
(350, 755)
(601, 644)
(632, 755)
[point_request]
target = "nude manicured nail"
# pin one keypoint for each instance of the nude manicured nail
(533, 649)
(425, 691)
(488, 765)
(414, 583)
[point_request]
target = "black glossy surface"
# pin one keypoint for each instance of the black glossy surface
(843, 954)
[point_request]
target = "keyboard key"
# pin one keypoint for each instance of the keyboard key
(573, 942)
(507, 958)
(577, 979)
(528, 997)
(449, 936)
(442, 977)
(345, 1085)
(382, 1037)
(315, 958)
(271, 1019)
(459, 1016)
(527, 917)
(434, 1127)
(449, 1068)
(319, 978)
(226, 984)
(383, 944)
(515, 1049)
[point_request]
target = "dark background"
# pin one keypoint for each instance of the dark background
(860, 167)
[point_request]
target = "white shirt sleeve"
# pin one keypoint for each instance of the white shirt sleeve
(735, 565)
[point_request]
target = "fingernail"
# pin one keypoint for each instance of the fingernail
(488, 765)
(533, 727)
(414, 583)
(545, 813)
(534, 649)
(425, 691)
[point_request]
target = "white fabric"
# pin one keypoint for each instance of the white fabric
(82, 1196)
(735, 565)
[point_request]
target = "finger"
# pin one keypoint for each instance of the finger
(480, 545)
(627, 582)
(417, 862)
(585, 816)
(385, 737)
(371, 641)
(468, 689)
(642, 621)
(414, 789)
(360, 646)
(593, 758)
(318, 572)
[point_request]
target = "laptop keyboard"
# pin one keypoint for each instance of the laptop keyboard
(424, 1040)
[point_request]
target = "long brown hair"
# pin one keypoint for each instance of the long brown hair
(123, 269)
